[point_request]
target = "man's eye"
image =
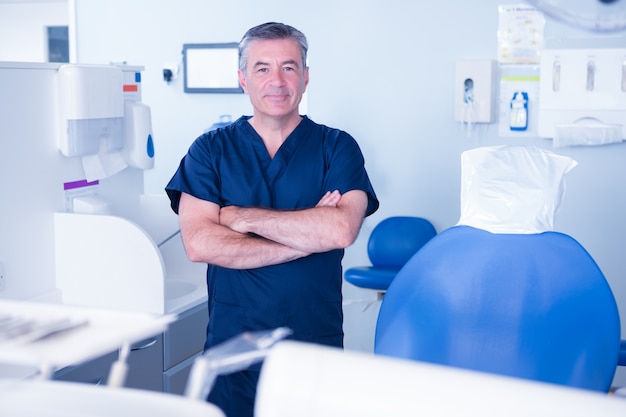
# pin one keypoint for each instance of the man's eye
(289, 69)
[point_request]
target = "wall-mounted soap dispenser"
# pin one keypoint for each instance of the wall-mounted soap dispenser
(138, 149)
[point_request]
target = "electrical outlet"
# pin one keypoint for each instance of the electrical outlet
(3, 277)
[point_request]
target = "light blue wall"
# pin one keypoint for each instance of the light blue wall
(382, 70)
(23, 28)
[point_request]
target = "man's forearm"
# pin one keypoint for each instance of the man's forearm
(206, 240)
(307, 230)
(230, 249)
(317, 229)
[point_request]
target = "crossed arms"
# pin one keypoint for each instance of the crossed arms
(245, 238)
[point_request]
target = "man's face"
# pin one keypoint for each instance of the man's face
(275, 79)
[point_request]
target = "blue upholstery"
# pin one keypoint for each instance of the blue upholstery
(622, 354)
(391, 244)
(532, 306)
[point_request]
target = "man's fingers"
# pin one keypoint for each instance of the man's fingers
(330, 199)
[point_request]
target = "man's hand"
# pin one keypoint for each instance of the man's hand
(330, 199)
(229, 217)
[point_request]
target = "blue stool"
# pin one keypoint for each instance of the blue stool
(392, 243)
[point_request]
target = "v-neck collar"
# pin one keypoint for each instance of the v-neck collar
(274, 166)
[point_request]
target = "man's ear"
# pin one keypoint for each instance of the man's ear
(242, 81)
(306, 78)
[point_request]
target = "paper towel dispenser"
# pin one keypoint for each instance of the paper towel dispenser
(91, 109)
(103, 120)
(582, 96)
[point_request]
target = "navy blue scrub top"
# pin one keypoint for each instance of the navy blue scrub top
(231, 166)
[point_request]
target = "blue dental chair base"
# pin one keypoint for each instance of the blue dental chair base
(532, 306)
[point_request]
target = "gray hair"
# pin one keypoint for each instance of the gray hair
(270, 30)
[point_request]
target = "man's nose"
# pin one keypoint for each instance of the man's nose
(277, 78)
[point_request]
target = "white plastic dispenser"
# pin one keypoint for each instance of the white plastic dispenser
(583, 96)
(474, 91)
(138, 149)
(91, 106)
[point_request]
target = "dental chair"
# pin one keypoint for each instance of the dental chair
(391, 244)
(531, 305)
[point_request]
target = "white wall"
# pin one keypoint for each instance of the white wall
(23, 26)
(383, 71)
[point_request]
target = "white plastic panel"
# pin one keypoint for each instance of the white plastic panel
(107, 261)
(582, 89)
(307, 380)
